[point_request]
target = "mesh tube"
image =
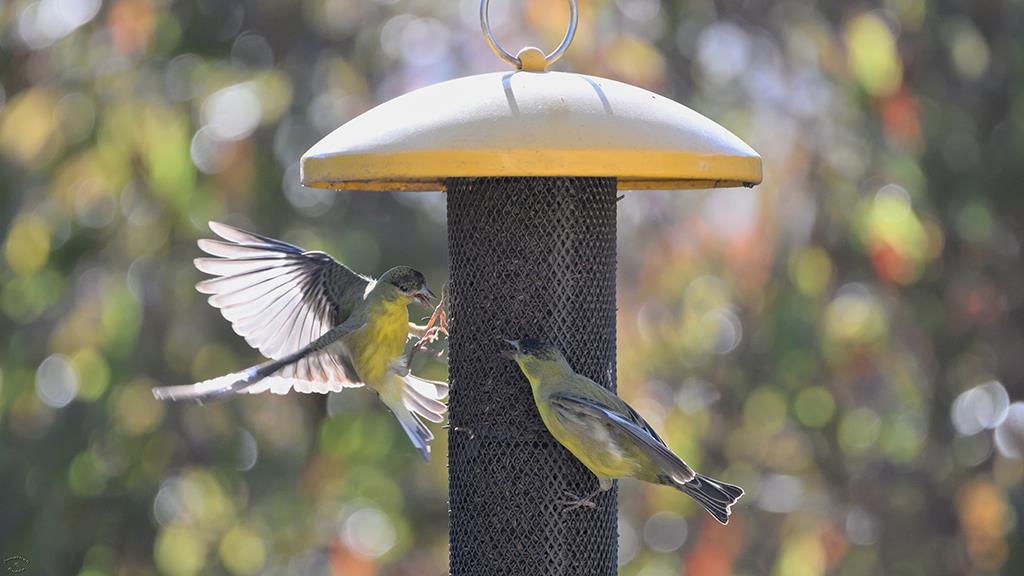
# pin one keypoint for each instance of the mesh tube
(529, 257)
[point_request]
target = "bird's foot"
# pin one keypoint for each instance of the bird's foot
(434, 328)
(430, 335)
(572, 501)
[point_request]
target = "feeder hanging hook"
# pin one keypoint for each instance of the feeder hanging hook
(529, 59)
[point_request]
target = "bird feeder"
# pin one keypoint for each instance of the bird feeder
(531, 161)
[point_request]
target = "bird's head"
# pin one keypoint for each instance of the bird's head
(533, 356)
(409, 283)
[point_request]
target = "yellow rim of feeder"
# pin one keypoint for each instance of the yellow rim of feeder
(530, 123)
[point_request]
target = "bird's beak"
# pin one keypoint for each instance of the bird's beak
(424, 296)
(510, 348)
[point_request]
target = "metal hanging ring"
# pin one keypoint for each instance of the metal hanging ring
(550, 58)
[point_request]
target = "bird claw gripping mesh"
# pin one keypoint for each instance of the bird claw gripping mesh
(536, 257)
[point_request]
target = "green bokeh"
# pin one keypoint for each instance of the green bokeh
(808, 339)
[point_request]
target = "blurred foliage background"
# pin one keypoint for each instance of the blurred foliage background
(846, 341)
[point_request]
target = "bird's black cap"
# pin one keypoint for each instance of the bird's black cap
(528, 346)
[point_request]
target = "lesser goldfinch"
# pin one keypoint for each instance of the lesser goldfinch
(606, 434)
(324, 327)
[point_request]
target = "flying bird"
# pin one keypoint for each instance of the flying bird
(323, 326)
(606, 434)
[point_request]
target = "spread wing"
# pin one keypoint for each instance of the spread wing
(630, 425)
(281, 298)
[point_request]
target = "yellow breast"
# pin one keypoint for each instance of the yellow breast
(376, 346)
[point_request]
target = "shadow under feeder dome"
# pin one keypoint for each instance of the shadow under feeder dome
(530, 124)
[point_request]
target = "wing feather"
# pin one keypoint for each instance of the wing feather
(575, 407)
(251, 293)
(226, 284)
(235, 266)
(239, 236)
(281, 298)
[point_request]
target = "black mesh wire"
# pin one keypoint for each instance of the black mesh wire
(529, 257)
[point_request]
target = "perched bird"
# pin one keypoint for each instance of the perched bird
(605, 434)
(323, 326)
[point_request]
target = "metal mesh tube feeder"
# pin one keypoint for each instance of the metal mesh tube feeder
(531, 161)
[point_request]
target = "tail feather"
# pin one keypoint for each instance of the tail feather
(428, 408)
(715, 496)
(418, 434)
(424, 397)
(434, 389)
